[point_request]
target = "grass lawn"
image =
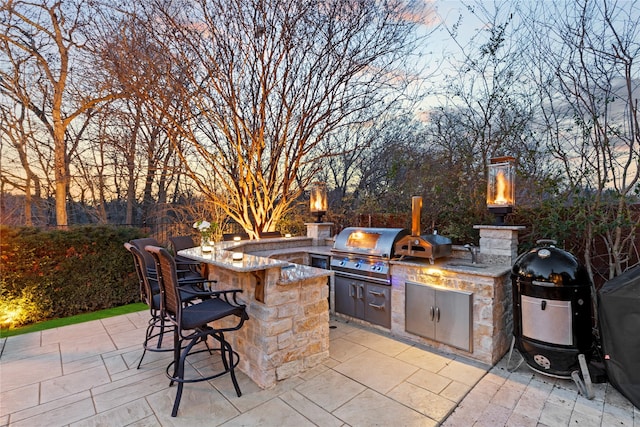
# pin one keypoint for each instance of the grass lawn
(85, 317)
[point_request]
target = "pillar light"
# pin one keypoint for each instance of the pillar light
(319, 204)
(501, 187)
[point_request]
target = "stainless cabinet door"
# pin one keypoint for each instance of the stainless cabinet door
(377, 309)
(420, 306)
(453, 318)
(345, 295)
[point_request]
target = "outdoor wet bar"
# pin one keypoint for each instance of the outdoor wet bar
(471, 300)
(288, 327)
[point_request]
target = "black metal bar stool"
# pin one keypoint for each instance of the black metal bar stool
(194, 323)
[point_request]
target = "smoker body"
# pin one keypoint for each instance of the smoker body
(552, 310)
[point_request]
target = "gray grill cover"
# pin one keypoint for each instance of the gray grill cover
(619, 316)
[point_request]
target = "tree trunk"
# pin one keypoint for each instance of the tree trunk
(27, 203)
(61, 176)
(131, 191)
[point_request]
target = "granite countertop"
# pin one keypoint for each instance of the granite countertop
(320, 250)
(456, 265)
(222, 256)
(295, 272)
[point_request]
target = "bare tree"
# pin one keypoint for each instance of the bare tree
(46, 43)
(486, 109)
(16, 129)
(589, 51)
(139, 129)
(265, 83)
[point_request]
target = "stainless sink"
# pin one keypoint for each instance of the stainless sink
(465, 265)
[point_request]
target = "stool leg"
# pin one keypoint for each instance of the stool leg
(179, 373)
(161, 332)
(176, 355)
(147, 335)
(231, 369)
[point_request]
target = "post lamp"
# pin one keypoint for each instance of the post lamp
(501, 187)
(319, 204)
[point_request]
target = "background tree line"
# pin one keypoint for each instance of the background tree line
(172, 110)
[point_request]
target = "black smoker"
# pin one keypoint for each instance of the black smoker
(552, 311)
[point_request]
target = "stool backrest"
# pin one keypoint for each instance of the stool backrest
(168, 281)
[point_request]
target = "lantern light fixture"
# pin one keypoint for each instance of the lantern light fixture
(318, 200)
(501, 187)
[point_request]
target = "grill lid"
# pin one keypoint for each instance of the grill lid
(376, 242)
(550, 266)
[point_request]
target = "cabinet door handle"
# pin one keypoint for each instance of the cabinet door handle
(431, 313)
(377, 307)
(360, 291)
(352, 289)
(437, 314)
(376, 294)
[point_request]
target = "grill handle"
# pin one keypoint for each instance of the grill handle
(546, 241)
(541, 283)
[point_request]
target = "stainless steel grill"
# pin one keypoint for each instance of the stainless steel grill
(360, 260)
(365, 252)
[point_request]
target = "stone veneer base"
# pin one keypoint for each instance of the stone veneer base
(492, 325)
(288, 333)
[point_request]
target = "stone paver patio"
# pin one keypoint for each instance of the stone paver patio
(85, 375)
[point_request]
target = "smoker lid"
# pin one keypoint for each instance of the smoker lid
(368, 241)
(551, 265)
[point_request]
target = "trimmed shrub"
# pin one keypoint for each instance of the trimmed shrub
(59, 273)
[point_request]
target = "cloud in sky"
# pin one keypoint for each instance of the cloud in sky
(422, 12)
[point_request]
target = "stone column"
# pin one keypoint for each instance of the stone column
(498, 243)
(319, 231)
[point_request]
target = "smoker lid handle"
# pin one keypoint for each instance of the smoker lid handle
(546, 241)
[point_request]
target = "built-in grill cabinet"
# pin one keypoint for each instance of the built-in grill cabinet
(363, 300)
(360, 261)
(443, 315)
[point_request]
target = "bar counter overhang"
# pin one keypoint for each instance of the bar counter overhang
(288, 328)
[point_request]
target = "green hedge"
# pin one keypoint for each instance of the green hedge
(54, 273)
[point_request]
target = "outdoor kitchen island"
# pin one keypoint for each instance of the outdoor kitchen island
(288, 328)
(452, 303)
